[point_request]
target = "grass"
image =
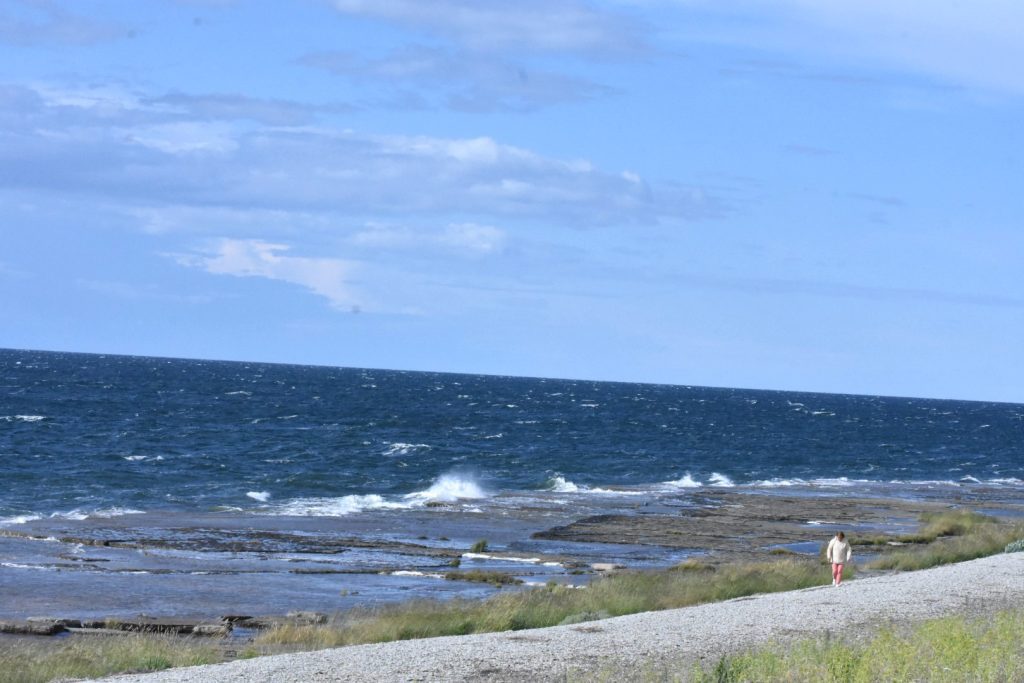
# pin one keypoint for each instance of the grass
(479, 576)
(25, 661)
(954, 537)
(951, 649)
(934, 525)
(614, 595)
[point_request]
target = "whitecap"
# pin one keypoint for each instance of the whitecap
(23, 418)
(685, 482)
(134, 458)
(398, 448)
(449, 488)
(261, 496)
(238, 393)
(718, 479)
(773, 483)
(114, 512)
(562, 485)
(335, 507)
(19, 519)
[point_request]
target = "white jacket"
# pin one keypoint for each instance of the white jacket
(838, 552)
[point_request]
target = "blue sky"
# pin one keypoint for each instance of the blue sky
(778, 194)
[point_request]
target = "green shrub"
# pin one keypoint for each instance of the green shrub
(479, 547)
(1014, 547)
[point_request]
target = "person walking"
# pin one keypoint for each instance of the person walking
(838, 554)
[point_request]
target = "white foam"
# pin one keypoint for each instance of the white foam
(563, 485)
(23, 418)
(134, 458)
(110, 512)
(685, 482)
(524, 560)
(336, 507)
(449, 488)
(19, 519)
(773, 483)
(399, 448)
(16, 565)
(261, 496)
(406, 572)
(239, 393)
(720, 480)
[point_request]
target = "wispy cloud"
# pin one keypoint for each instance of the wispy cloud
(463, 238)
(526, 25)
(45, 22)
(327, 277)
(975, 44)
(755, 285)
(453, 79)
(233, 107)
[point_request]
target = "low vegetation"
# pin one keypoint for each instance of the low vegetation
(26, 661)
(620, 593)
(954, 537)
(480, 576)
(952, 649)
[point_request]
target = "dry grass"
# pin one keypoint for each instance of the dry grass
(27, 661)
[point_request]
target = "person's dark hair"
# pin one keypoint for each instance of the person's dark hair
(840, 535)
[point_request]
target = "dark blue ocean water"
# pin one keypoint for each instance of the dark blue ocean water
(177, 487)
(91, 433)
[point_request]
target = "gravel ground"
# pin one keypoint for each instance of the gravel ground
(678, 636)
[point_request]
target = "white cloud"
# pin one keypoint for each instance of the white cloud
(532, 25)
(328, 277)
(153, 158)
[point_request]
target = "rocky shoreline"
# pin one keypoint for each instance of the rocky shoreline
(716, 525)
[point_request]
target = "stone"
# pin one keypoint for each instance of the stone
(606, 566)
(212, 630)
(31, 628)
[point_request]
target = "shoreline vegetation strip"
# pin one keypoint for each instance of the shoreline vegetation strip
(943, 539)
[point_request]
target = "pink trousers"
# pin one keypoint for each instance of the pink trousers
(837, 572)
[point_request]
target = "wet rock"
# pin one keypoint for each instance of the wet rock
(31, 628)
(235, 618)
(606, 566)
(150, 625)
(212, 630)
(66, 623)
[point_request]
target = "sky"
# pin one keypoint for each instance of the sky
(775, 194)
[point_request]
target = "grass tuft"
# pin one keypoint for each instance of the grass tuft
(965, 539)
(951, 649)
(481, 576)
(24, 661)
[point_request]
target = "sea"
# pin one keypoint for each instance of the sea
(135, 485)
